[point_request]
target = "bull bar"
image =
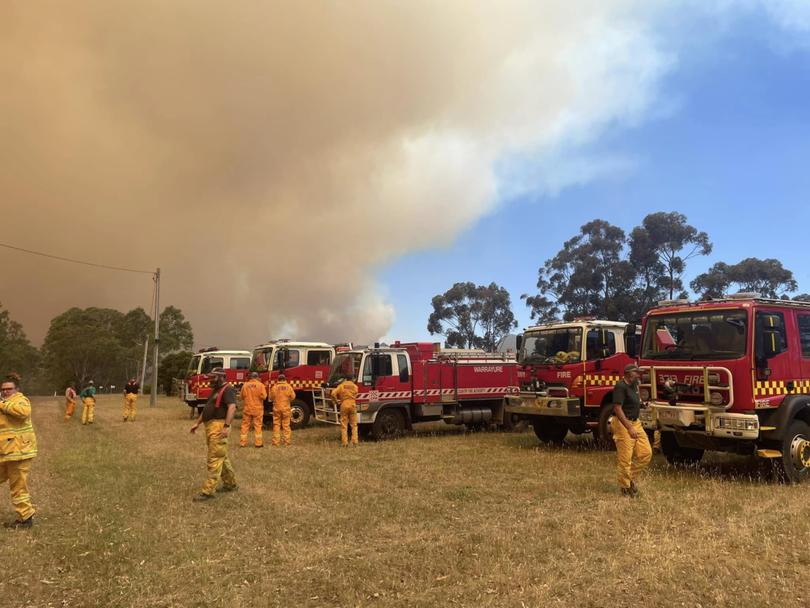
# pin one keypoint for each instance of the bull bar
(704, 418)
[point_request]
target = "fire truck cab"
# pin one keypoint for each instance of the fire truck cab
(731, 375)
(197, 387)
(567, 375)
(306, 366)
(406, 383)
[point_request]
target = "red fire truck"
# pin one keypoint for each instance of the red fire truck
(406, 383)
(197, 387)
(730, 375)
(306, 365)
(567, 376)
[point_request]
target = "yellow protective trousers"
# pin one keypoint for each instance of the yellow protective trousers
(348, 417)
(88, 405)
(16, 473)
(70, 407)
(281, 424)
(251, 420)
(219, 465)
(129, 406)
(632, 455)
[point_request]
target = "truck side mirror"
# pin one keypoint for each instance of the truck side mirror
(518, 344)
(403, 375)
(771, 343)
(631, 341)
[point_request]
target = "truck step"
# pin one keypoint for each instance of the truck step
(769, 453)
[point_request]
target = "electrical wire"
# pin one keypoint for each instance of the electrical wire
(63, 259)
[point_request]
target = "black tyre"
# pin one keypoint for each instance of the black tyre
(299, 414)
(794, 465)
(677, 455)
(549, 430)
(602, 434)
(388, 424)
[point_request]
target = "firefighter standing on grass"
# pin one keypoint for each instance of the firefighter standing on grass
(253, 395)
(345, 394)
(282, 395)
(88, 396)
(217, 415)
(19, 446)
(633, 451)
(130, 398)
(70, 401)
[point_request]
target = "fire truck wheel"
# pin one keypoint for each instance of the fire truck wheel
(794, 466)
(602, 434)
(299, 414)
(549, 430)
(677, 455)
(389, 423)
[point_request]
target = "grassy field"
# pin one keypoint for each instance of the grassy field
(441, 518)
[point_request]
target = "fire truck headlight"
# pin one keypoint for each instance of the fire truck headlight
(714, 379)
(645, 377)
(738, 424)
(716, 399)
(644, 393)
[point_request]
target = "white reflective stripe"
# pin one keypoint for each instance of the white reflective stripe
(434, 392)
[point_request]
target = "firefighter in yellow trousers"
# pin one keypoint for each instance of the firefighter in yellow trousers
(130, 399)
(345, 394)
(253, 395)
(88, 396)
(633, 451)
(217, 415)
(18, 445)
(70, 401)
(282, 395)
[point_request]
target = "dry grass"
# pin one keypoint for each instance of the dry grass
(442, 518)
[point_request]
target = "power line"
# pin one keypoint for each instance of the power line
(63, 259)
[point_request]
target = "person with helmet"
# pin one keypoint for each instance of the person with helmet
(345, 395)
(217, 415)
(633, 451)
(88, 396)
(130, 398)
(282, 395)
(253, 394)
(20, 446)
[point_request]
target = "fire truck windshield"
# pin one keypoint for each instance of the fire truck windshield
(696, 335)
(194, 365)
(346, 365)
(553, 346)
(261, 357)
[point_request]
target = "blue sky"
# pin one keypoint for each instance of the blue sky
(729, 148)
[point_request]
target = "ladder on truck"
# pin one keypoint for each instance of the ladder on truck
(326, 410)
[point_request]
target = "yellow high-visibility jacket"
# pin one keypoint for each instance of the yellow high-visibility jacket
(281, 395)
(345, 391)
(253, 395)
(17, 439)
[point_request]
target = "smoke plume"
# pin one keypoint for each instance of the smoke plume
(270, 156)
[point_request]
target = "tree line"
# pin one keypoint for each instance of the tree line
(99, 344)
(604, 272)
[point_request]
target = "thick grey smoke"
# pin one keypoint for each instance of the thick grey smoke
(269, 156)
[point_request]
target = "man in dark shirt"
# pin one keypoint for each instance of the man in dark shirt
(633, 452)
(130, 399)
(217, 416)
